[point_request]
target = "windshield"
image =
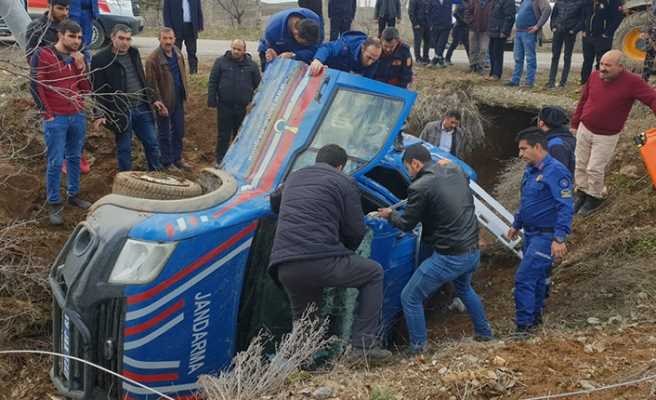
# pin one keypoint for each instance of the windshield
(358, 122)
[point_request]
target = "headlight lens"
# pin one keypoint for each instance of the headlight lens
(140, 262)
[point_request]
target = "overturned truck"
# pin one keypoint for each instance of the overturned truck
(162, 291)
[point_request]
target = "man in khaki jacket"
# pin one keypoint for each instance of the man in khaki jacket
(165, 73)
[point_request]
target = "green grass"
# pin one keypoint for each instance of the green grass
(381, 393)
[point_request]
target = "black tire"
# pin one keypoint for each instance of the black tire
(98, 37)
(627, 39)
(154, 185)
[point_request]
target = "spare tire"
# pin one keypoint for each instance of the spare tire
(627, 39)
(154, 185)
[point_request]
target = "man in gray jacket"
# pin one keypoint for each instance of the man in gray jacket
(531, 16)
(387, 13)
(446, 134)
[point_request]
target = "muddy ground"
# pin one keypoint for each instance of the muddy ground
(600, 321)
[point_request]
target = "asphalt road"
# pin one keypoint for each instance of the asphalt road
(214, 48)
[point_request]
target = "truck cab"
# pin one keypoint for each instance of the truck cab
(163, 291)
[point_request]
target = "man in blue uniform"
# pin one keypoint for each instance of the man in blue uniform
(395, 64)
(545, 214)
(293, 33)
(352, 52)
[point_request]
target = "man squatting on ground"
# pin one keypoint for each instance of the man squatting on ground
(440, 198)
(59, 79)
(320, 225)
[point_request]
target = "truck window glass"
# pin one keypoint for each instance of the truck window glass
(359, 122)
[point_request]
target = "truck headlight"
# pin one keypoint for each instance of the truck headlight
(140, 262)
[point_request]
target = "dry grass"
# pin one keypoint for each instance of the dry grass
(253, 375)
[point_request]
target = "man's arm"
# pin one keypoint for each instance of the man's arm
(413, 212)
(560, 153)
(352, 227)
(554, 16)
(545, 11)
(328, 50)
(508, 22)
(152, 79)
(576, 117)
(168, 20)
(306, 54)
(406, 70)
(213, 84)
(397, 6)
(40, 65)
(256, 76)
(412, 5)
(580, 17)
(645, 93)
(561, 189)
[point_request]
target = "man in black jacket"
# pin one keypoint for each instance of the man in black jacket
(43, 30)
(502, 18)
(567, 20)
(126, 101)
(602, 17)
(320, 225)
(395, 62)
(459, 33)
(387, 13)
(419, 13)
(185, 17)
(233, 80)
(341, 14)
(439, 197)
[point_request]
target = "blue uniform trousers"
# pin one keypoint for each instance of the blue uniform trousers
(530, 278)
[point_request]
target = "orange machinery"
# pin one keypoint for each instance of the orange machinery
(647, 142)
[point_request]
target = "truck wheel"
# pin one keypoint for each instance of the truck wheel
(154, 185)
(98, 37)
(627, 38)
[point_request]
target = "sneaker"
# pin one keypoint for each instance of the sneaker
(448, 62)
(522, 333)
(56, 214)
(75, 201)
(550, 85)
(374, 354)
(492, 78)
(591, 205)
(183, 165)
(579, 199)
(527, 86)
(484, 338)
(511, 84)
(562, 84)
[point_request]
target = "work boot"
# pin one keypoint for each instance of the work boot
(56, 214)
(550, 85)
(76, 201)
(373, 354)
(511, 84)
(591, 205)
(579, 199)
(522, 333)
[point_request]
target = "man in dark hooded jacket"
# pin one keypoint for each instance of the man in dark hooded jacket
(554, 121)
(387, 13)
(567, 20)
(500, 23)
(43, 30)
(352, 52)
(419, 13)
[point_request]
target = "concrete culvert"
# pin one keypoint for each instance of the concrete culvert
(154, 185)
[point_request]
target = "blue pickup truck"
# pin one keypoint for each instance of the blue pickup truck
(162, 291)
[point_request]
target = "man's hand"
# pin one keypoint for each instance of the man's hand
(287, 54)
(270, 54)
(417, 26)
(443, 162)
(99, 122)
(79, 60)
(558, 250)
(512, 233)
(572, 131)
(385, 212)
(583, 34)
(533, 29)
(161, 109)
(316, 67)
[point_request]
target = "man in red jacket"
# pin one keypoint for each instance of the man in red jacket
(59, 78)
(600, 115)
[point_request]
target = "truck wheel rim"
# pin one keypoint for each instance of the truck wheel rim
(633, 45)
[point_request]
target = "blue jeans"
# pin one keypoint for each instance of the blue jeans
(530, 279)
(140, 120)
(64, 137)
(171, 132)
(524, 47)
(434, 272)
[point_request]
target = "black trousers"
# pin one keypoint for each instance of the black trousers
(190, 38)
(496, 56)
(229, 119)
(648, 66)
(339, 26)
(559, 39)
(422, 41)
(384, 22)
(440, 37)
(593, 49)
(459, 35)
(305, 280)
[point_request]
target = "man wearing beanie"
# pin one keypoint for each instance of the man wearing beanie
(43, 30)
(554, 121)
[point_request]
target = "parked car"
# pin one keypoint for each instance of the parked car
(162, 291)
(112, 12)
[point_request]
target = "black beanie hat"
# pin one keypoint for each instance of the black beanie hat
(553, 116)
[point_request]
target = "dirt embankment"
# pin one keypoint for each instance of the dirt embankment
(607, 278)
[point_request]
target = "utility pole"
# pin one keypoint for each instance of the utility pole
(14, 14)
